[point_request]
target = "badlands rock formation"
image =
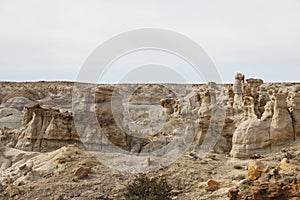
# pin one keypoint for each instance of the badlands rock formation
(275, 128)
(46, 128)
(246, 118)
(15, 96)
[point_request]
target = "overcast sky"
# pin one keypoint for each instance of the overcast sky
(50, 39)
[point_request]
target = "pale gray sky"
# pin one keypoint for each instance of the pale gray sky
(50, 39)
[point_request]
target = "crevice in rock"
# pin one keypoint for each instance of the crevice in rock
(39, 135)
(33, 141)
(269, 133)
(293, 123)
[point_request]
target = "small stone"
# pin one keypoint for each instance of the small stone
(82, 172)
(288, 155)
(255, 169)
(147, 162)
(29, 164)
(12, 191)
(284, 164)
(256, 156)
(212, 185)
(245, 182)
(176, 192)
(194, 155)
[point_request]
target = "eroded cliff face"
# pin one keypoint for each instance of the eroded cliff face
(104, 118)
(96, 124)
(272, 120)
(294, 109)
(246, 118)
(46, 129)
(15, 96)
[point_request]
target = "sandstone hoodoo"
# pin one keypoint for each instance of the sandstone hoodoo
(274, 129)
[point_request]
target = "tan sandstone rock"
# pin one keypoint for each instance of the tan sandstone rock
(251, 136)
(281, 127)
(296, 115)
(255, 169)
(46, 129)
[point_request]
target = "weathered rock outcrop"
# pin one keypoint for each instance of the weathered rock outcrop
(281, 127)
(251, 136)
(46, 129)
(252, 88)
(238, 90)
(10, 118)
(277, 126)
(169, 105)
(203, 113)
(296, 115)
(4, 162)
(99, 123)
(244, 118)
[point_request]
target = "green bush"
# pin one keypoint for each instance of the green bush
(144, 188)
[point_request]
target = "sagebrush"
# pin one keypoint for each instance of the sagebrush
(145, 188)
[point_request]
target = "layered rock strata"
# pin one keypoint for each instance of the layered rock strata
(46, 129)
(245, 118)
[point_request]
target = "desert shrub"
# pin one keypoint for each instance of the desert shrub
(144, 188)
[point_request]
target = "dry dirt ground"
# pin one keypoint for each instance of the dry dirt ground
(73, 173)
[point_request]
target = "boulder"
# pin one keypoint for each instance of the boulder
(212, 185)
(251, 137)
(255, 169)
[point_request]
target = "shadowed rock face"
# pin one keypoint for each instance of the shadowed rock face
(98, 120)
(5, 163)
(295, 110)
(281, 128)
